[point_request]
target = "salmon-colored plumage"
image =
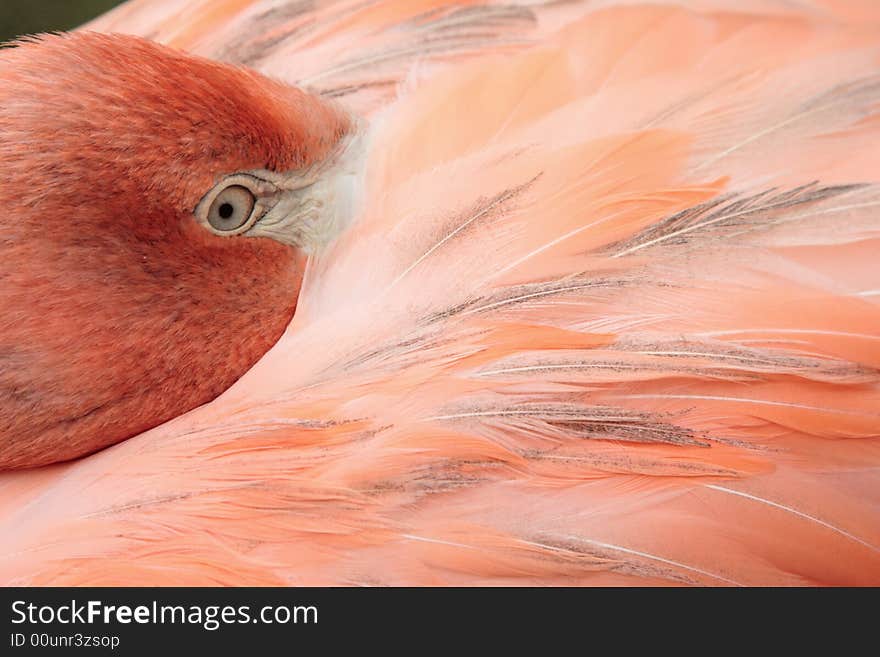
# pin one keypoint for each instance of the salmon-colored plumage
(606, 313)
(117, 310)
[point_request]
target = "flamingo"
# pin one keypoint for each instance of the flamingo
(591, 299)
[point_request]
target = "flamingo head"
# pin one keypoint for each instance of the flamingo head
(158, 210)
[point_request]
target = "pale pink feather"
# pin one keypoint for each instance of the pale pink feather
(608, 313)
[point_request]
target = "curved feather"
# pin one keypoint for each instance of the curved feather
(620, 325)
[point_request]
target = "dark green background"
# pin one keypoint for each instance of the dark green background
(28, 16)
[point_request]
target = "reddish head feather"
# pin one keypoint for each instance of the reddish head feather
(118, 310)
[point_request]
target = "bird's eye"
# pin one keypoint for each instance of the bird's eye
(236, 203)
(231, 208)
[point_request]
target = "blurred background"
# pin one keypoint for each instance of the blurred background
(19, 17)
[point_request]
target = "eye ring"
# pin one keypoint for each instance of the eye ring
(234, 204)
(231, 208)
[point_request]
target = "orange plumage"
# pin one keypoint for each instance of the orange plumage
(117, 310)
(606, 313)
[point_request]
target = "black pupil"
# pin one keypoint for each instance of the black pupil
(225, 211)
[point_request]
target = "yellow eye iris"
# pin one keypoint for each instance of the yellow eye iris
(231, 208)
